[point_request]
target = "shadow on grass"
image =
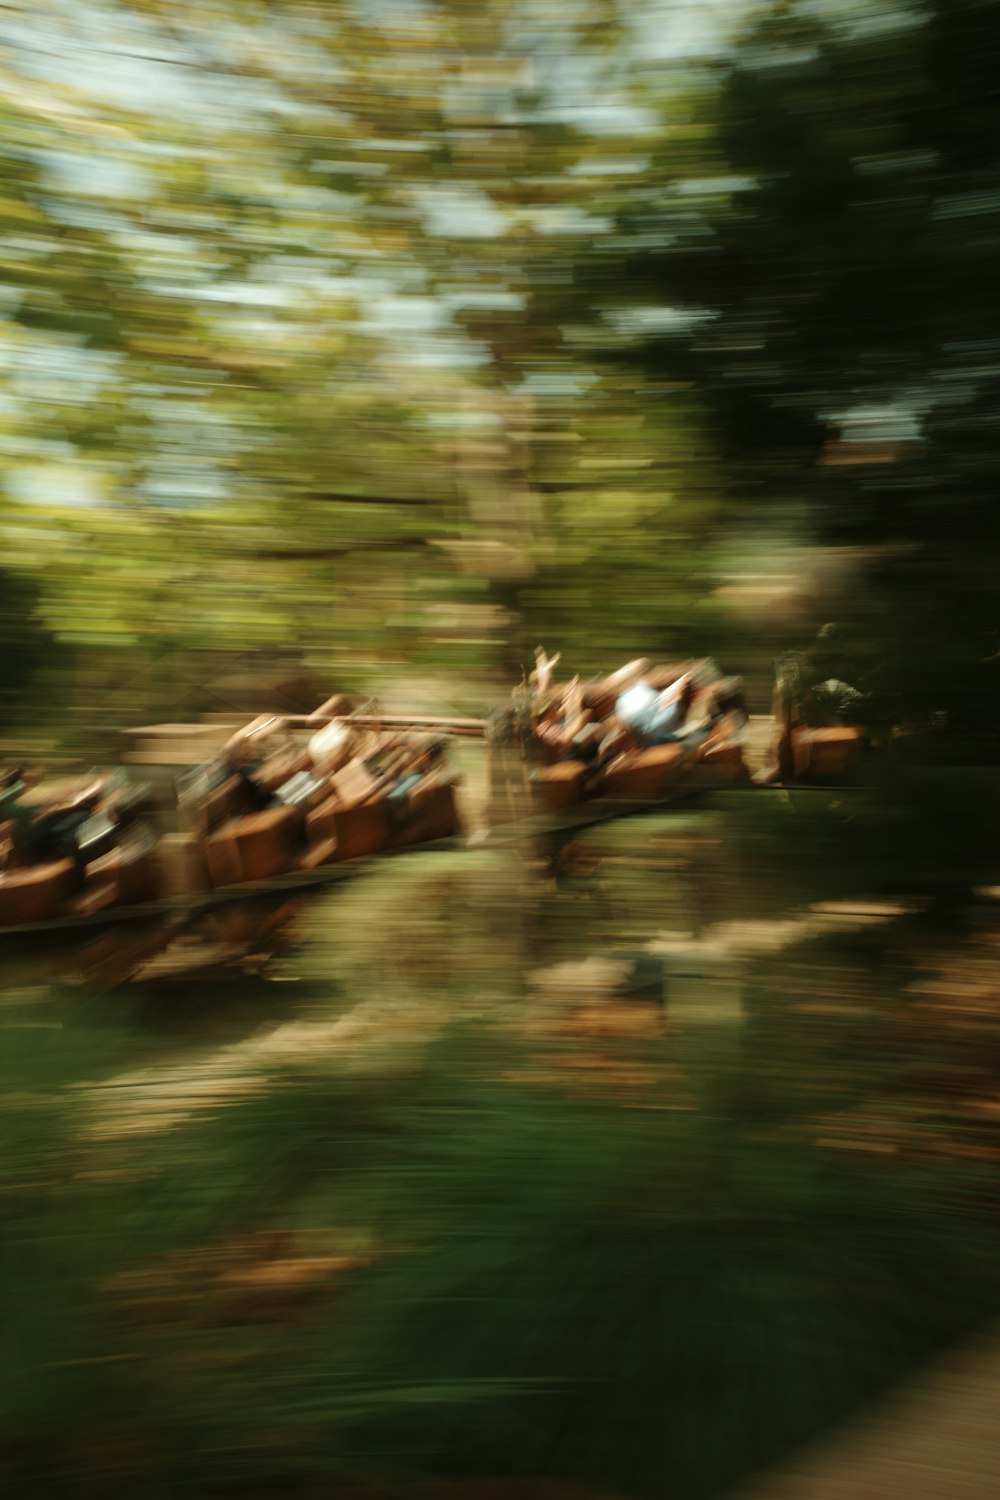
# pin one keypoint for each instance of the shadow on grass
(356, 1277)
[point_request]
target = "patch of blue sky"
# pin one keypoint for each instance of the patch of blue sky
(109, 176)
(274, 44)
(112, 56)
(393, 13)
(171, 405)
(872, 18)
(895, 421)
(404, 315)
(610, 166)
(463, 418)
(37, 449)
(611, 117)
(665, 320)
(590, 89)
(775, 59)
(56, 370)
(70, 485)
(67, 50)
(369, 285)
(349, 168)
(88, 214)
(177, 490)
(462, 211)
(248, 333)
(560, 384)
(394, 143)
(297, 271)
(561, 220)
(496, 299)
(240, 293)
(700, 187)
(664, 30)
(165, 245)
(441, 353)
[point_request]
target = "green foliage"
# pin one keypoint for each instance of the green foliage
(836, 259)
(25, 644)
(637, 1295)
(365, 337)
(325, 336)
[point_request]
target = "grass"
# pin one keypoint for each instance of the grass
(646, 1298)
(653, 1293)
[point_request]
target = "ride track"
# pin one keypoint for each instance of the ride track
(525, 831)
(509, 818)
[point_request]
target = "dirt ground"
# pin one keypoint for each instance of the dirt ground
(936, 1440)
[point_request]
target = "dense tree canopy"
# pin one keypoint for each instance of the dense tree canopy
(369, 341)
(843, 312)
(417, 331)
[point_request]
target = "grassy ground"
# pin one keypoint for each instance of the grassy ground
(457, 1237)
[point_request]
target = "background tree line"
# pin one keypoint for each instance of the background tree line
(406, 337)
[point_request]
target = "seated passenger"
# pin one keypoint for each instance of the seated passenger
(429, 756)
(655, 718)
(22, 817)
(570, 730)
(50, 831)
(550, 731)
(837, 702)
(239, 757)
(545, 666)
(827, 699)
(628, 676)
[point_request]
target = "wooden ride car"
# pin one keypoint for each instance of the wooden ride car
(640, 734)
(816, 744)
(318, 791)
(74, 849)
(286, 795)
